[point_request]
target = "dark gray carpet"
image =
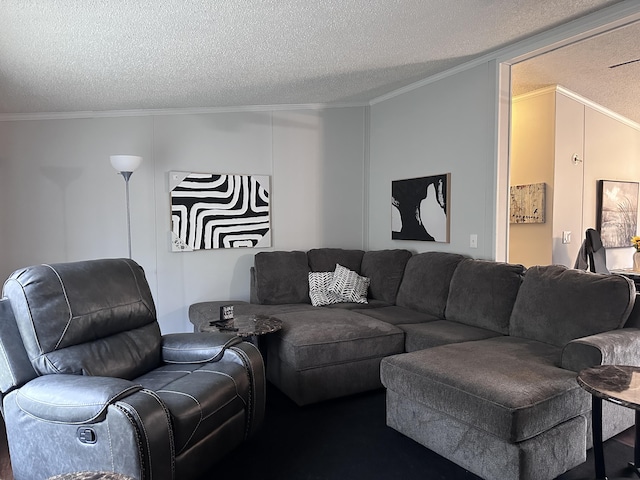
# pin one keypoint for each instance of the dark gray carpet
(347, 439)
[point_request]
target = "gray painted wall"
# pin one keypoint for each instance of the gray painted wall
(331, 178)
(62, 201)
(443, 127)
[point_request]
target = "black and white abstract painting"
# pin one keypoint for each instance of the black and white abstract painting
(219, 211)
(420, 208)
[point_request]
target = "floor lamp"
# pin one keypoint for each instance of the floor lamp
(125, 165)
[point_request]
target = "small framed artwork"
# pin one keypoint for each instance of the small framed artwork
(617, 212)
(527, 203)
(211, 211)
(420, 208)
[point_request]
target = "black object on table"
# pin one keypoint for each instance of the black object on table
(619, 384)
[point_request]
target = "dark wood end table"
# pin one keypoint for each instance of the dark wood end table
(249, 327)
(619, 384)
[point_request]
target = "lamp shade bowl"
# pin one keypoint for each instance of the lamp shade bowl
(125, 163)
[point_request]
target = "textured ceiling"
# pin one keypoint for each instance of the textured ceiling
(97, 55)
(584, 68)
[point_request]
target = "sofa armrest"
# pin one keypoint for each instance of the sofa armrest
(196, 347)
(615, 347)
(74, 399)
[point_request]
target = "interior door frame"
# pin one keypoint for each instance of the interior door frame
(617, 16)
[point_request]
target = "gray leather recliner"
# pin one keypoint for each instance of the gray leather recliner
(89, 384)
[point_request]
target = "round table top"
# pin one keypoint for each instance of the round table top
(247, 325)
(617, 383)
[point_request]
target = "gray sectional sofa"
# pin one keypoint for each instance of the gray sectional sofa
(478, 358)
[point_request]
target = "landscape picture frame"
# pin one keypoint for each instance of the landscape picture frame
(617, 212)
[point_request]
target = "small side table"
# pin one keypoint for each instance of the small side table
(618, 384)
(250, 327)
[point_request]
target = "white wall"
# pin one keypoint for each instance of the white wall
(62, 201)
(568, 179)
(446, 126)
(612, 152)
(549, 127)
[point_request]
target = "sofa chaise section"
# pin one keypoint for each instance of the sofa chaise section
(508, 406)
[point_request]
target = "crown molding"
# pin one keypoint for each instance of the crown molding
(597, 107)
(578, 98)
(536, 93)
(11, 117)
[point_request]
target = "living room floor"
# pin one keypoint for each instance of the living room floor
(347, 439)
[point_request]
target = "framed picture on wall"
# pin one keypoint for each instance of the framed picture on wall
(617, 212)
(527, 203)
(420, 208)
(211, 211)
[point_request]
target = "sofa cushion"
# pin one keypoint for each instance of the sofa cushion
(425, 284)
(506, 386)
(282, 277)
(325, 259)
(349, 285)
(482, 294)
(330, 337)
(556, 305)
(419, 336)
(385, 269)
(396, 315)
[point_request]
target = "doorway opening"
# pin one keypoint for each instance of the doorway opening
(566, 120)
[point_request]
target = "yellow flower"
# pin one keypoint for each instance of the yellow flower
(635, 241)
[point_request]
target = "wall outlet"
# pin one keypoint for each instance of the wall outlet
(566, 237)
(473, 240)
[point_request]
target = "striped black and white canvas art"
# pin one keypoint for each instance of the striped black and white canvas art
(219, 211)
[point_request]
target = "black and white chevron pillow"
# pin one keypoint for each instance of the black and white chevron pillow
(349, 285)
(319, 289)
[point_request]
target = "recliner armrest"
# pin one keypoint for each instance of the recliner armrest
(615, 347)
(72, 398)
(15, 366)
(196, 347)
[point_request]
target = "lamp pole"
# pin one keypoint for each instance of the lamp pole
(127, 176)
(125, 165)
